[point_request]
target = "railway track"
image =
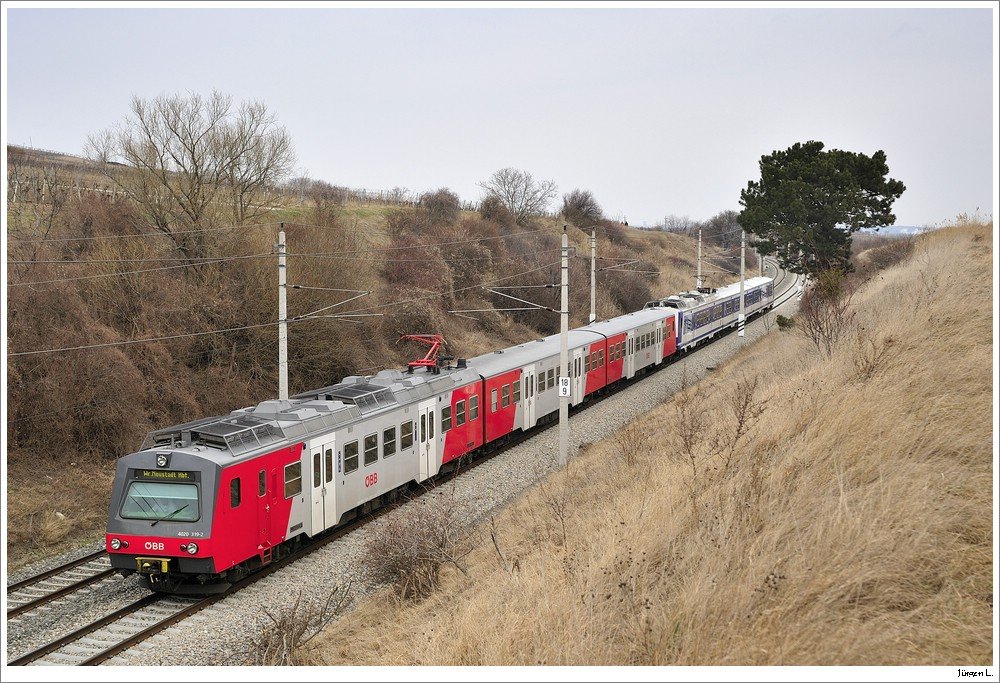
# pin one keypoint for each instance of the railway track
(35, 591)
(126, 627)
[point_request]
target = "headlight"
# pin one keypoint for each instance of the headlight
(115, 544)
(192, 548)
(162, 459)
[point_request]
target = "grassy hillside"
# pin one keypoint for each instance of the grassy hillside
(850, 525)
(70, 414)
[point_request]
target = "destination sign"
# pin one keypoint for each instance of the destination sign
(166, 475)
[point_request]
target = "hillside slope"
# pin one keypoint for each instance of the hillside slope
(87, 270)
(850, 525)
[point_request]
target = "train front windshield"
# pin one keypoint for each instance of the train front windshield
(160, 501)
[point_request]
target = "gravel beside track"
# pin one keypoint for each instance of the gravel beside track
(221, 634)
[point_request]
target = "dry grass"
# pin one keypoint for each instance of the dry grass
(853, 526)
(54, 506)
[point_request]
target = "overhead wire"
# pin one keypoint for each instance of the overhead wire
(171, 234)
(138, 272)
(374, 307)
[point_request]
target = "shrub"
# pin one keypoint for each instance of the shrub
(492, 209)
(409, 550)
(581, 209)
(281, 642)
(825, 310)
(442, 206)
(784, 324)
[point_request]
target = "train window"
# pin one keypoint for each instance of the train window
(422, 435)
(350, 457)
(474, 408)
(234, 493)
(445, 419)
(406, 435)
(552, 377)
(154, 499)
(460, 413)
(317, 475)
(328, 476)
(541, 382)
(517, 390)
(430, 425)
(505, 396)
(493, 400)
(600, 358)
(586, 363)
(371, 449)
(293, 479)
(389, 442)
(261, 483)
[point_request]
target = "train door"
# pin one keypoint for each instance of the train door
(628, 367)
(264, 504)
(324, 512)
(329, 488)
(528, 393)
(426, 439)
(579, 382)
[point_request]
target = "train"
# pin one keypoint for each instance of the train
(203, 504)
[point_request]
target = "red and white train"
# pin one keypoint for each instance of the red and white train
(206, 502)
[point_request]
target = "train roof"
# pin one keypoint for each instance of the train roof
(494, 363)
(695, 299)
(627, 321)
(229, 438)
(513, 357)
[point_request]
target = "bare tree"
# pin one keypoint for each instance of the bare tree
(679, 224)
(43, 213)
(176, 156)
(723, 229)
(256, 152)
(519, 192)
(17, 165)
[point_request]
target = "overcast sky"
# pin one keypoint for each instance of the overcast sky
(655, 110)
